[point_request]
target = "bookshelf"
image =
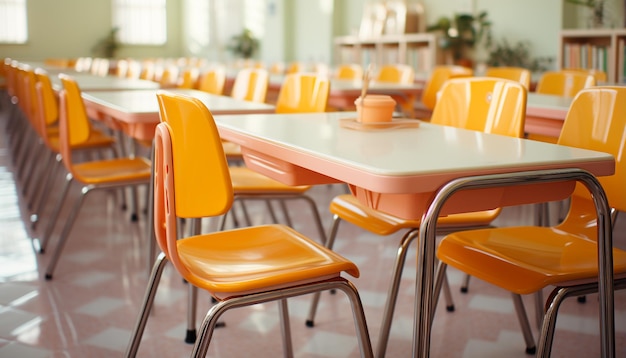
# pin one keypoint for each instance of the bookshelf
(602, 49)
(420, 50)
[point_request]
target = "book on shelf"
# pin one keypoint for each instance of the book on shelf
(586, 55)
(621, 61)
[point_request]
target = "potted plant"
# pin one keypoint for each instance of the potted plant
(107, 46)
(244, 45)
(461, 33)
(517, 55)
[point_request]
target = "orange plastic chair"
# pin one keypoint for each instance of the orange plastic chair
(212, 81)
(439, 75)
(302, 93)
(526, 259)
(396, 73)
(483, 104)
(349, 71)
(598, 74)
(46, 116)
(237, 267)
(74, 129)
(188, 78)
(399, 73)
(251, 85)
(520, 74)
(564, 83)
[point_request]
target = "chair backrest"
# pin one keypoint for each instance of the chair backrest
(599, 75)
(519, 74)
(596, 120)
(396, 73)
(49, 101)
(439, 75)
(564, 83)
(29, 94)
(47, 107)
(485, 104)
(186, 137)
(349, 71)
(74, 125)
(188, 78)
(303, 93)
(251, 85)
(295, 67)
(213, 81)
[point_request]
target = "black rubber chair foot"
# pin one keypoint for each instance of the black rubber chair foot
(581, 299)
(220, 324)
(531, 350)
(333, 291)
(134, 217)
(190, 337)
(450, 308)
(48, 276)
(310, 323)
(464, 290)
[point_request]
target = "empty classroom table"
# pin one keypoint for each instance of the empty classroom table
(136, 112)
(413, 172)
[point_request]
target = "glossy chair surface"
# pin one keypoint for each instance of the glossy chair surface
(598, 74)
(251, 85)
(439, 75)
(237, 267)
(188, 78)
(519, 74)
(74, 129)
(527, 259)
(396, 73)
(564, 83)
(301, 93)
(349, 71)
(488, 105)
(212, 81)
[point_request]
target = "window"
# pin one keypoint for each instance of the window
(13, 25)
(140, 22)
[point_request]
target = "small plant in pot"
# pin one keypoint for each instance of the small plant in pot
(244, 45)
(461, 34)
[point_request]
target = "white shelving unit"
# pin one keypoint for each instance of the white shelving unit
(595, 48)
(419, 50)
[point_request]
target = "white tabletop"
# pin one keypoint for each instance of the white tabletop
(142, 105)
(434, 153)
(546, 105)
(89, 82)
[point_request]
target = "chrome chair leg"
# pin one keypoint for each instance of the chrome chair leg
(285, 327)
(148, 301)
(524, 323)
(65, 233)
(55, 215)
(208, 324)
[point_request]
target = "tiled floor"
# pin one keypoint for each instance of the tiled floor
(90, 306)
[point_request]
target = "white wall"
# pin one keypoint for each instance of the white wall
(295, 30)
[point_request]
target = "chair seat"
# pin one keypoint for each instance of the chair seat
(232, 150)
(96, 139)
(524, 260)
(246, 181)
(350, 209)
(113, 171)
(269, 256)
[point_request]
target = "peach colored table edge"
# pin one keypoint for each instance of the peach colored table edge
(139, 126)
